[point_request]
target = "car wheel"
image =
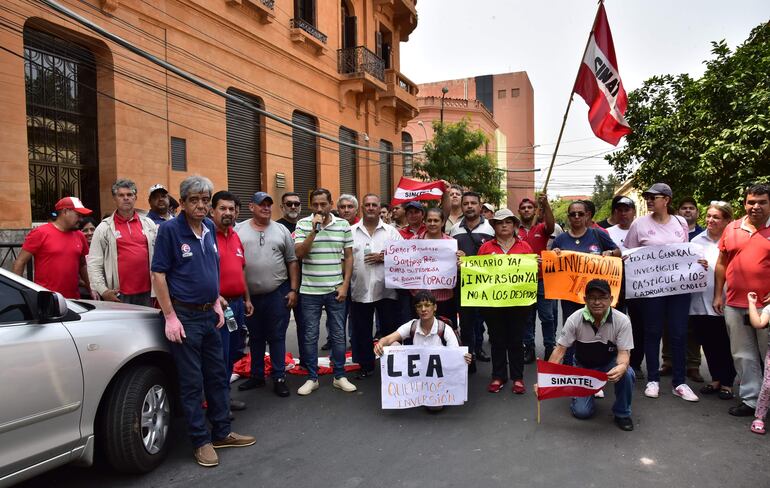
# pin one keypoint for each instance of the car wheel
(135, 426)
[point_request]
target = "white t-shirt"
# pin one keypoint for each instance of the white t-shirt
(432, 339)
(701, 303)
(618, 236)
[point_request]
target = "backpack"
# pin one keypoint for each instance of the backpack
(443, 323)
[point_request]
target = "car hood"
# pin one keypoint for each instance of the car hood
(93, 311)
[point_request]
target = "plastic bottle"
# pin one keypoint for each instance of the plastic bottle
(232, 325)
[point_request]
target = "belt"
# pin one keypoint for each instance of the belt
(203, 307)
(233, 298)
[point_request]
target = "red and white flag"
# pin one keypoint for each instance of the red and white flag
(409, 190)
(558, 380)
(598, 82)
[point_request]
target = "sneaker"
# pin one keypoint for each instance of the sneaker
(280, 388)
(652, 390)
(685, 393)
(251, 383)
(599, 394)
(206, 456)
(343, 384)
(237, 405)
(309, 387)
(234, 440)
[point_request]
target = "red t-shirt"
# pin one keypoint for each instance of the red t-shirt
(492, 247)
(537, 238)
(231, 264)
(407, 233)
(133, 255)
(57, 258)
(748, 262)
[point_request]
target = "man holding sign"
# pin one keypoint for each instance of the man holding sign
(603, 341)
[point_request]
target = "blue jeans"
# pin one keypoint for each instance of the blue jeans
(674, 311)
(584, 408)
(361, 315)
(231, 341)
(299, 320)
(547, 322)
(267, 325)
(567, 309)
(335, 323)
(201, 369)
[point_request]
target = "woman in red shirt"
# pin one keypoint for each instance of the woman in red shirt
(506, 324)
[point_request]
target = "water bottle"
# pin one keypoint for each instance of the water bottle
(232, 325)
(367, 250)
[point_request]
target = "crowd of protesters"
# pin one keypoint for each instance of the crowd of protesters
(206, 269)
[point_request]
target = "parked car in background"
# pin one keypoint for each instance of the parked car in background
(77, 378)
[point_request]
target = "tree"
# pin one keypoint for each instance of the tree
(710, 137)
(604, 190)
(453, 155)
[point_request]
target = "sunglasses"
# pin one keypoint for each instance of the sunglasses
(648, 198)
(576, 214)
(292, 204)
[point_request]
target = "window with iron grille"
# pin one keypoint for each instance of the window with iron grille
(386, 170)
(178, 154)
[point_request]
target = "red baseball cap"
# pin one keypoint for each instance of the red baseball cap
(72, 203)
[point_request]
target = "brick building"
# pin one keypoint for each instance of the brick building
(80, 111)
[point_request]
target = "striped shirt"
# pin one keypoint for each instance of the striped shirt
(322, 267)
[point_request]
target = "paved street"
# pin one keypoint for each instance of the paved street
(334, 439)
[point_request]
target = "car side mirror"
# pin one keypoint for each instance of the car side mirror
(51, 305)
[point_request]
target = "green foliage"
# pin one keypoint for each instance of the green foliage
(710, 137)
(604, 190)
(453, 155)
(559, 208)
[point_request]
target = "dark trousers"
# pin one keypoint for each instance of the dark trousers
(637, 329)
(712, 333)
(693, 347)
(567, 309)
(674, 311)
(299, 320)
(143, 299)
(267, 325)
(200, 368)
(469, 320)
(362, 318)
(506, 333)
(232, 342)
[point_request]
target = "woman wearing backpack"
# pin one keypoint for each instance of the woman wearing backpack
(506, 324)
(580, 238)
(426, 330)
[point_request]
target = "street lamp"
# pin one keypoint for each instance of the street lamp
(420, 123)
(444, 91)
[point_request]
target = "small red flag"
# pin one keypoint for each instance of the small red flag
(599, 84)
(409, 190)
(559, 380)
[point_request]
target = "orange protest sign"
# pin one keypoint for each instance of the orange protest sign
(565, 276)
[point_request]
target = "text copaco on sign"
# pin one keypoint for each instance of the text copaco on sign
(498, 280)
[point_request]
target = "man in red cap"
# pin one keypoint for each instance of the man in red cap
(59, 249)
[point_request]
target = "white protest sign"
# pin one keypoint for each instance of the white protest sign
(673, 269)
(414, 376)
(421, 264)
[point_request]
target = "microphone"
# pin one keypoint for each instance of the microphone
(317, 227)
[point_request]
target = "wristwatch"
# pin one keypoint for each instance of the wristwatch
(295, 291)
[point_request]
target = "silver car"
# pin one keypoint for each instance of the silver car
(80, 377)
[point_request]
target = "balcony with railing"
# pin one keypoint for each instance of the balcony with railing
(455, 103)
(359, 61)
(404, 14)
(304, 32)
(403, 90)
(265, 9)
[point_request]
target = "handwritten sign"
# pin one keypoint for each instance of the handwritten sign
(565, 276)
(421, 264)
(672, 269)
(414, 376)
(498, 280)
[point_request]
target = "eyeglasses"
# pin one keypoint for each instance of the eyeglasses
(602, 298)
(651, 198)
(576, 214)
(261, 238)
(292, 204)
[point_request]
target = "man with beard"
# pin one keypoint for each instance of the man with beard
(232, 278)
(291, 206)
(537, 234)
(160, 204)
(121, 251)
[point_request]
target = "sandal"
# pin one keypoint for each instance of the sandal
(496, 386)
(758, 427)
(518, 387)
(726, 394)
(709, 389)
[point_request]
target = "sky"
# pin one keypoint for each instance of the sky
(546, 38)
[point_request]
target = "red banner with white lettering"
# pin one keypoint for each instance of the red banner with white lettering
(409, 190)
(559, 380)
(599, 84)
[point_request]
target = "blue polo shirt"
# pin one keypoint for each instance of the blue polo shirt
(191, 265)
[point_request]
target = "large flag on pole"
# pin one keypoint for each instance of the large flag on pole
(409, 190)
(558, 380)
(599, 84)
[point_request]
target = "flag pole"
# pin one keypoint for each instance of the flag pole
(534, 387)
(569, 103)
